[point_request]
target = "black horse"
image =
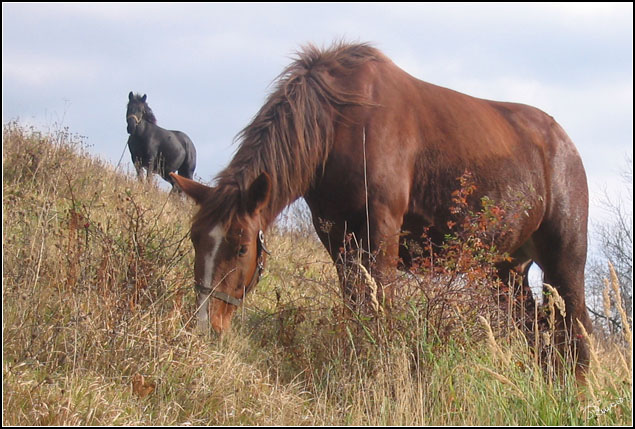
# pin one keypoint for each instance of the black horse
(156, 149)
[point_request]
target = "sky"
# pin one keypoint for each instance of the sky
(208, 67)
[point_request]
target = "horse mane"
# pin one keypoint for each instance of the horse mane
(291, 135)
(149, 114)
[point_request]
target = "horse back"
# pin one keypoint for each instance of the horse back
(418, 139)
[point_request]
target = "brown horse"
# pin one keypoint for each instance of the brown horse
(376, 152)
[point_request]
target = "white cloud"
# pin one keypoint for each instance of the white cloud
(206, 67)
(130, 12)
(39, 70)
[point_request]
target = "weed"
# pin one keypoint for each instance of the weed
(97, 303)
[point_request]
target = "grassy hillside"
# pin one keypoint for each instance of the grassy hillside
(97, 325)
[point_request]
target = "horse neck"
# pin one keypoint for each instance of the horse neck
(280, 198)
(288, 183)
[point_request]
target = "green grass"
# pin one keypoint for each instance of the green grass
(97, 275)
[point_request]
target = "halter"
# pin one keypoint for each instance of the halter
(260, 266)
(137, 120)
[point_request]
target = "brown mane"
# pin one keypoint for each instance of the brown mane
(291, 136)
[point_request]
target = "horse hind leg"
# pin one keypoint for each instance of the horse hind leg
(182, 171)
(517, 300)
(186, 170)
(562, 259)
(175, 187)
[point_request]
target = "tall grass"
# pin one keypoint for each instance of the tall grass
(97, 325)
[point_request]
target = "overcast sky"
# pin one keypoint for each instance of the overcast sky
(206, 68)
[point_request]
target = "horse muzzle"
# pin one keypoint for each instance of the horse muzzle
(225, 304)
(132, 121)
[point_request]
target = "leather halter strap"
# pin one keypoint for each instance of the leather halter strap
(260, 266)
(226, 298)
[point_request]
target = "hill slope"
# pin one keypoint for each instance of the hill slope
(97, 308)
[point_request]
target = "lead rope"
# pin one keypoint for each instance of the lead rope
(137, 120)
(121, 157)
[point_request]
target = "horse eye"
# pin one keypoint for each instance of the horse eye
(242, 250)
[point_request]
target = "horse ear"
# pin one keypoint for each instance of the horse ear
(143, 99)
(130, 96)
(196, 191)
(259, 193)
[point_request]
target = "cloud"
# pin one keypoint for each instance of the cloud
(40, 71)
(207, 67)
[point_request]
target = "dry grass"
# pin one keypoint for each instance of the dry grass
(97, 306)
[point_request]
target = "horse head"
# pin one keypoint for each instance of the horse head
(137, 109)
(229, 251)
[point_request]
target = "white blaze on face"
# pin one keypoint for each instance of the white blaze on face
(217, 234)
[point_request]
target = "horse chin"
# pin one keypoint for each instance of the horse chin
(221, 316)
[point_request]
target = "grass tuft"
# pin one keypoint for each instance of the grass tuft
(97, 328)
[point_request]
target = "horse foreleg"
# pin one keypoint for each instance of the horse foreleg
(366, 273)
(139, 169)
(382, 233)
(149, 170)
(343, 245)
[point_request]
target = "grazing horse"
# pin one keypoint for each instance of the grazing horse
(154, 148)
(376, 152)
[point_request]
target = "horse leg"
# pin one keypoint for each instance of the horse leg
(342, 246)
(175, 186)
(156, 165)
(356, 261)
(186, 169)
(366, 276)
(517, 296)
(150, 169)
(139, 169)
(562, 257)
(384, 224)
